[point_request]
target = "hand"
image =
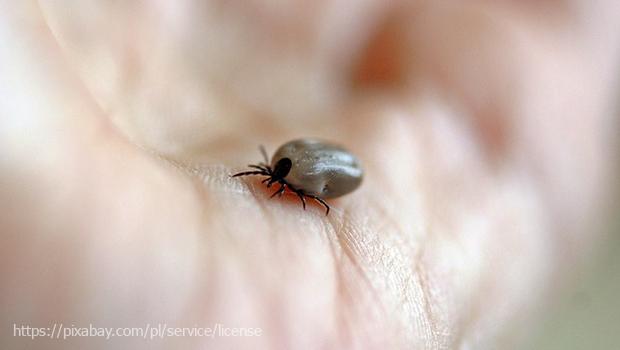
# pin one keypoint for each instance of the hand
(484, 131)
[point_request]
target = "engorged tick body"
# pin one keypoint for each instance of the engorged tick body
(310, 168)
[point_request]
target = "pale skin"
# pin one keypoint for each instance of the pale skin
(485, 131)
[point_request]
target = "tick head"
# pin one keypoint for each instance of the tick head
(282, 168)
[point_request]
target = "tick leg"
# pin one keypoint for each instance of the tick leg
(284, 185)
(300, 194)
(258, 167)
(279, 191)
(264, 153)
(246, 173)
(322, 202)
(266, 167)
(271, 181)
(301, 197)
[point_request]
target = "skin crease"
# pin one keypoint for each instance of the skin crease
(485, 131)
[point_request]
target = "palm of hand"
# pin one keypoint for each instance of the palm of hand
(457, 203)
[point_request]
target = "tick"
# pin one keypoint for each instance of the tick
(310, 168)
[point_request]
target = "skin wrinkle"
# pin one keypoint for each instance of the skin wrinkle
(366, 288)
(428, 308)
(80, 84)
(386, 215)
(416, 267)
(416, 280)
(409, 278)
(442, 210)
(344, 239)
(343, 292)
(380, 266)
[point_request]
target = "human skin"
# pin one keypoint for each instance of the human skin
(485, 131)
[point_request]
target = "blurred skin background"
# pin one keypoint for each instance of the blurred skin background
(487, 130)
